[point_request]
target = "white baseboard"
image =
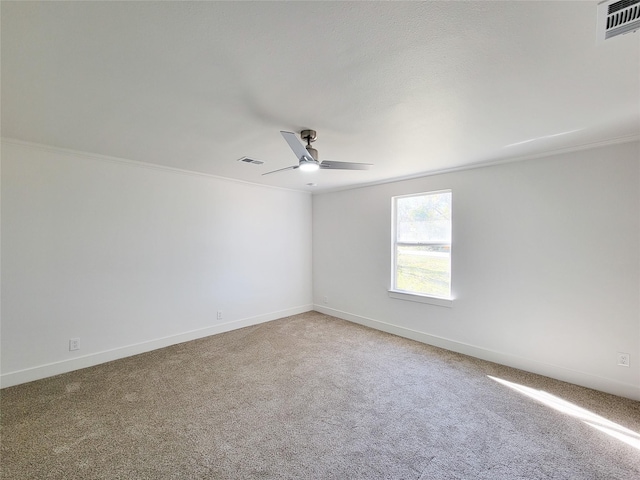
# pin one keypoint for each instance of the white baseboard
(48, 370)
(559, 373)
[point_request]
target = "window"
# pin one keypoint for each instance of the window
(422, 245)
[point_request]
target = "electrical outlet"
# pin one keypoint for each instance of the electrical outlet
(74, 344)
(325, 300)
(623, 359)
(219, 315)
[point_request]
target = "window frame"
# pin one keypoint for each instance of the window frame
(394, 292)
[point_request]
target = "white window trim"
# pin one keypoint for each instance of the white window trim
(402, 294)
(416, 297)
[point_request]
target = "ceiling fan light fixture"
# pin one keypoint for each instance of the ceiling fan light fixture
(307, 166)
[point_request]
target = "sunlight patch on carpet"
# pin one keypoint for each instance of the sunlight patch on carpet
(596, 421)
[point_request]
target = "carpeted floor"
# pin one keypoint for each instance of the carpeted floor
(312, 397)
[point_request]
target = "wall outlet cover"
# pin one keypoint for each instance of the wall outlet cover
(74, 344)
(623, 359)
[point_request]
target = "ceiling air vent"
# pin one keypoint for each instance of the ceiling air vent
(260, 162)
(617, 17)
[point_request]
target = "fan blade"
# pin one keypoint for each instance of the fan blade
(329, 165)
(282, 169)
(296, 146)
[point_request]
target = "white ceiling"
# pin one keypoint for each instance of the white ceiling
(410, 87)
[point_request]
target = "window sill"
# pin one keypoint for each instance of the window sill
(415, 297)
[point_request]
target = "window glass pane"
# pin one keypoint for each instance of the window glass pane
(422, 247)
(424, 218)
(424, 269)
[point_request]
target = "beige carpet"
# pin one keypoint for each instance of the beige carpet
(310, 396)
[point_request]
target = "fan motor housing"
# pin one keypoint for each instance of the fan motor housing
(313, 152)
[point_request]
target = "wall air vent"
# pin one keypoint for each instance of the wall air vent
(260, 162)
(617, 17)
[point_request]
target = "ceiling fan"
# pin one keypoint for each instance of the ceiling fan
(308, 156)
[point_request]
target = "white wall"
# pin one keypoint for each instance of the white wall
(545, 268)
(129, 257)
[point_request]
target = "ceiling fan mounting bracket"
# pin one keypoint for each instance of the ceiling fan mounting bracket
(308, 135)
